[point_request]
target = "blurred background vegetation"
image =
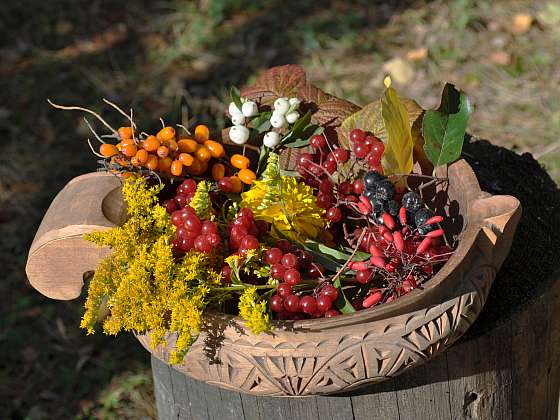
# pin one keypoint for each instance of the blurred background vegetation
(151, 55)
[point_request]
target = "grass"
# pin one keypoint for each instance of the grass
(151, 56)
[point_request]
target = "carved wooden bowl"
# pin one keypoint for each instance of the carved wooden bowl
(319, 356)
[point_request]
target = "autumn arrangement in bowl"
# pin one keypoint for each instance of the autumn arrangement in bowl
(311, 247)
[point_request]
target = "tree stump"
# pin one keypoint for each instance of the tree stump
(510, 372)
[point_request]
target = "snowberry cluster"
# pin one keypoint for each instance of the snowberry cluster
(191, 232)
(285, 113)
(239, 133)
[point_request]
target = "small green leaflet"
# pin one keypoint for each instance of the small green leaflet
(235, 97)
(444, 128)
(261, 122)
(342, 302)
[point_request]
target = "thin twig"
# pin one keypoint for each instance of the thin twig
(128, 117)
(93, 150)
(93, 131)
(79, 108)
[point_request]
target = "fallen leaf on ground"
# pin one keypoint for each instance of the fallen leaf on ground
(501, 58)
(521, 23)
(417, 54)
(400, 70)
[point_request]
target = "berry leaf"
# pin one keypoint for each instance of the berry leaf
(235, 97)
(397, 158)
(290, 81)
(342, 302)
(444, 128)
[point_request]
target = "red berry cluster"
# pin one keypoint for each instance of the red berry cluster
(287, 263)
(244, 231)
(367, 147)
(191, 233)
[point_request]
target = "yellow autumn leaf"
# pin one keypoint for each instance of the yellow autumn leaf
(397, 158)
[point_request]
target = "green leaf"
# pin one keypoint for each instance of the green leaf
(261, 122)
(397, 158)
(342, 302)
(263, 158)
(444, 129)
(293, 174)
(297, 143)
(298, 129)
(235, 97)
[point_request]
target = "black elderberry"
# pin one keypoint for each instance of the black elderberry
(376, 206)
(422, 230)
(421, 216)
(392, 207)
(385, 190)
(369, 194)
(371, 179)
(411, 201)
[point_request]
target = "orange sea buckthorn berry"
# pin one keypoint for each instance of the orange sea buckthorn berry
(166, 133)
(108, 150)
(173, 146)
(151, 144)
(129, 150)
(142, 156)
(201, 133)
(164, 163)
(162, 151)
(119, 146)
(198, 167)
(125, 133)
(218, 171)
(186, 159)
(203, 154)
(239, 161)
(152, 163)
(216, 149)
(247, 176)
(135, 161)
(176, 168)
(187, 145)
(126, 175)
(236, 185)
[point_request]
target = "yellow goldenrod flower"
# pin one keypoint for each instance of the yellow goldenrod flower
(254, 311)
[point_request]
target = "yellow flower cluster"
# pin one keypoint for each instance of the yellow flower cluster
(254, 311)
(286, 203)
(146, 289)
(201, 202)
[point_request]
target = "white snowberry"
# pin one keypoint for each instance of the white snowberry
(237, 118)
(239, 134)
(292, 117)
(249, 109)
(271, 139)
(232, 109)
(281, 105)
(294, 102)
(278, 121)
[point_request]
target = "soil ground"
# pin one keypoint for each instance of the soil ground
(152, 55)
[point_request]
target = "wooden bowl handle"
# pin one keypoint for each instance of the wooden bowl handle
(501, 215)
(59, 255)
